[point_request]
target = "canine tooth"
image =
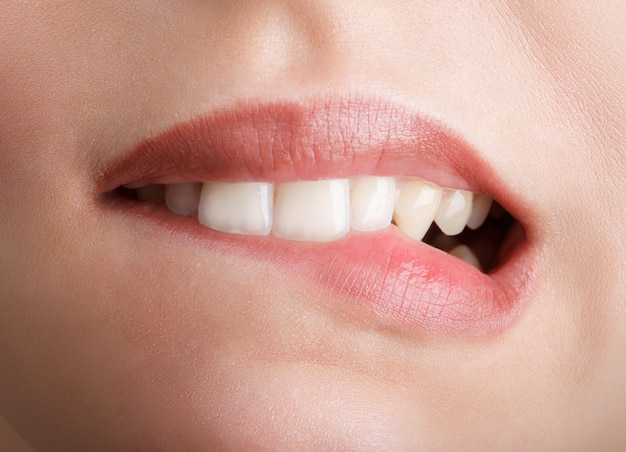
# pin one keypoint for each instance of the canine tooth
(151, 193)
(455, 209)
(371, 201)
(316, 211)
(481, 204)
(239, 208)
(416, 206)
(463, 252)
(183, 199)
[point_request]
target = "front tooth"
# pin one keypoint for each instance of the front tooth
(454, 211)
(239, 208)
(183, 199)
(463, 252)
(316, 211)
(416, 207)
(371, 201)
(480, 209)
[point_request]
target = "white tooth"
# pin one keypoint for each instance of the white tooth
(480, 209)
(455, 209)
(371, 201)
(238, 208)
(316, 211)
(183, 199)
(465, 253)
(151, 193)
(416, 207)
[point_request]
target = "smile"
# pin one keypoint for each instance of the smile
(368, 198)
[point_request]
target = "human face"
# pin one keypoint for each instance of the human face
(126, 326)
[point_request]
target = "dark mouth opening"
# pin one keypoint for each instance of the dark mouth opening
(491, 243)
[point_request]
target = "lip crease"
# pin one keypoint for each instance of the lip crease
(399, 280)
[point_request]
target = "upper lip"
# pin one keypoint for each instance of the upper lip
(289, 141)
(341, 138)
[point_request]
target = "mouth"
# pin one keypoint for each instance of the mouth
(387, 207)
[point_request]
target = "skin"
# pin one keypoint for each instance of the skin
(112, 338)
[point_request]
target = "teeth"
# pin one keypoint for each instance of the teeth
(372, 200)
(183, 199)
(325, 210)
(465, 253)
(416, 207)
(239, 208)
(480, 209)
(316, 211)
(454, 211)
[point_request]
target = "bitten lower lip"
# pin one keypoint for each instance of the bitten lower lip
(399, 280)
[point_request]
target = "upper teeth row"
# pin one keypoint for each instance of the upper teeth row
(325, 210)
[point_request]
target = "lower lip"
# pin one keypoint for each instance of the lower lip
(402, 282)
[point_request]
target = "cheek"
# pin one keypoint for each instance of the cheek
(82, 324)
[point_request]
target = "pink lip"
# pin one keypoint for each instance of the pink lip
(399, 280)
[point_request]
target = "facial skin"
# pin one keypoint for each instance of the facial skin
(115, 336)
